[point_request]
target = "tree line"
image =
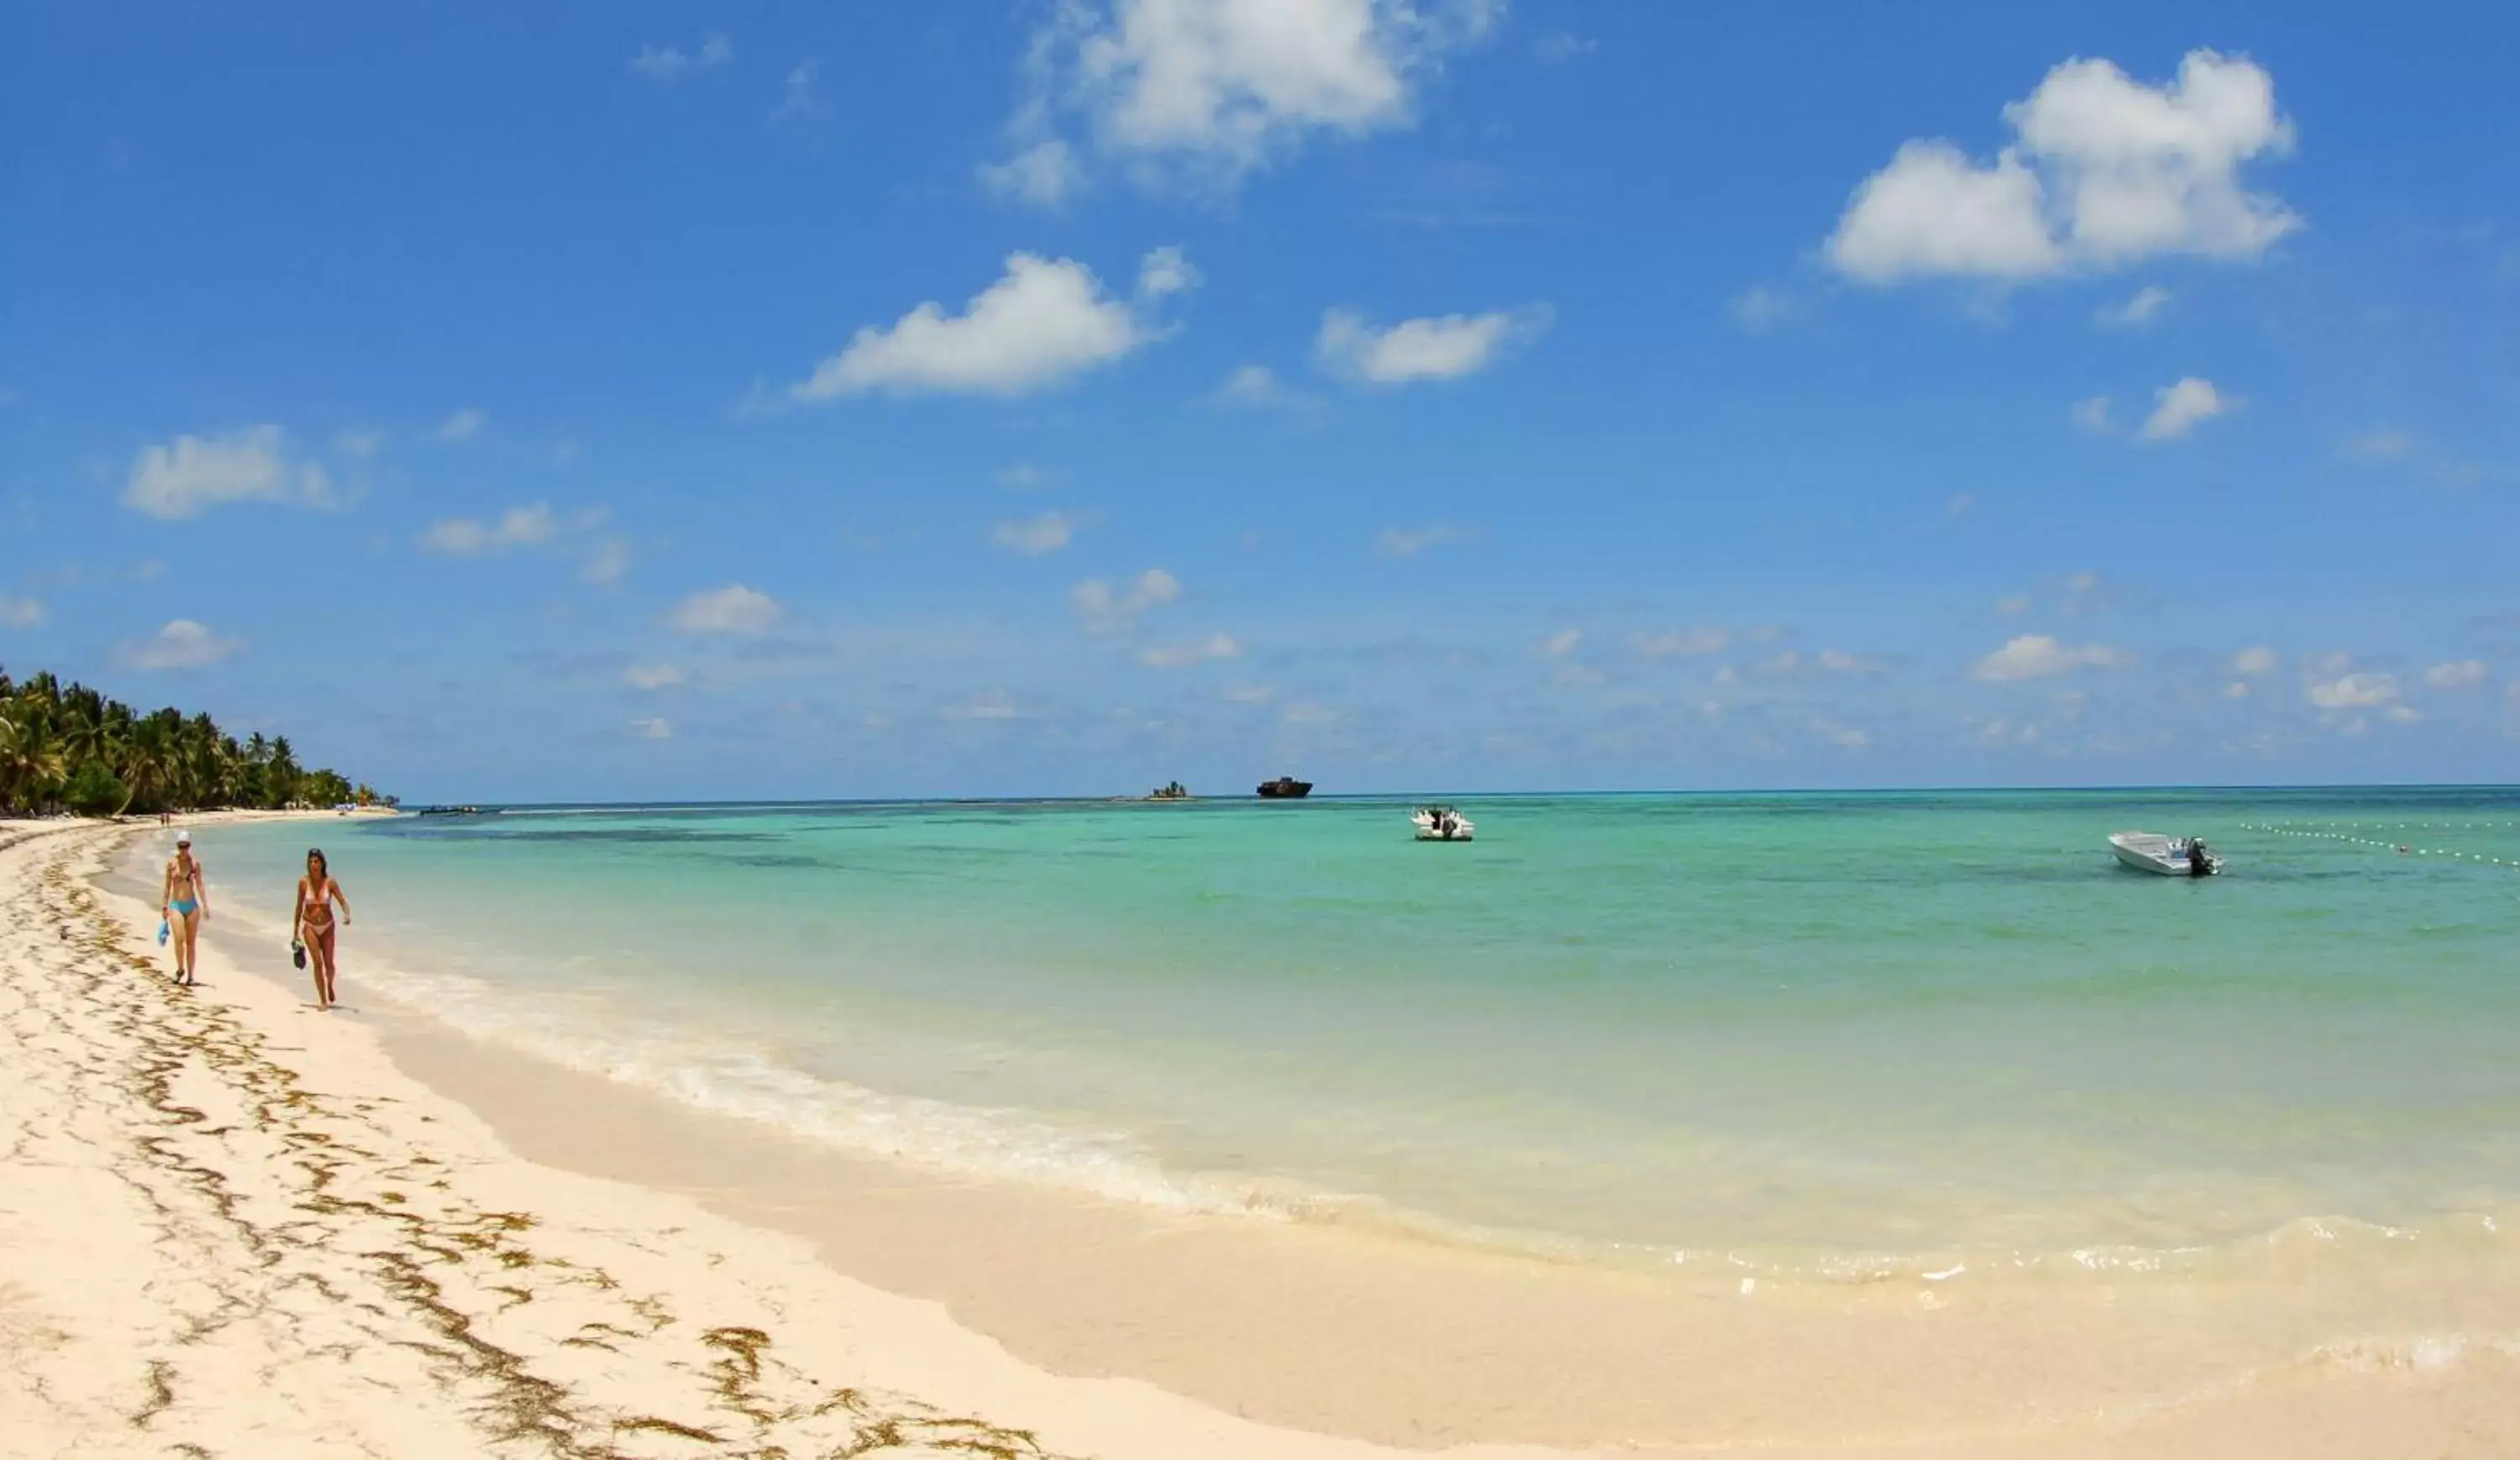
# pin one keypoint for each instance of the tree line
(69, 747)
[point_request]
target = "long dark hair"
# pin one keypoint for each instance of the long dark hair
(323, 864)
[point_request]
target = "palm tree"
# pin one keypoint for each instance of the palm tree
(31, 762)
(17, 764)
(197, 743)
(41, 689)
(230, 779)
(149, 765)
(281, 774)
(13, 759)
(83, 731)
(56, 737)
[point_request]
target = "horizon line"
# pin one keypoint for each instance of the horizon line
(1402, 795)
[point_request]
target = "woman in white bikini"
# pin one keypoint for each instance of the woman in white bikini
(184, 900)
(317, 891)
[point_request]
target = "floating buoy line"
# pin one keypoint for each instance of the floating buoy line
(2351, 833)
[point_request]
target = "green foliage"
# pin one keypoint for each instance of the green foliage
(322, 788)
(68, 745)
(95, 791)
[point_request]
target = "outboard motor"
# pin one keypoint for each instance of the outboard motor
(2200, 863)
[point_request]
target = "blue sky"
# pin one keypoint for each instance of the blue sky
(731, 400)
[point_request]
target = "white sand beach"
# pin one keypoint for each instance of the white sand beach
(230, 1225)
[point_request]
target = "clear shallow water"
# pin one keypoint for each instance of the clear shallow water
(1826, 1033)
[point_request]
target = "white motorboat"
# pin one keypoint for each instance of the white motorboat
(2164, 856)
(1441, 824)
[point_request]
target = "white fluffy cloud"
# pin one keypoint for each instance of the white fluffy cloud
(1108, 610)
(462, 426)
(1220, 75)
(652, 676)
(1258, 386)
(1420, 350)
(1844, 737)
(2459, 674)
(1251, 385)
(21, 613)
(1560, 648)
(1196, 652)
(671, 62)
(603, 560)
(2146, 304)
(2180, 408)
(2150, 169)
(181, 644)
(732, 609)
(1207, 90)
(607, 562)
(653, 727)
(1035, 537)
(2253, 661)
(1165, 271)
(2037, 657)
(1793, 664)
(470, 537)
(1043, 174)
(192, 474)
(1934, 212)
(2103, 171)
(2358, 691)
(1684, 643)
(1044, 321)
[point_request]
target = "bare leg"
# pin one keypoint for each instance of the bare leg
(187, 929)
(319, 950)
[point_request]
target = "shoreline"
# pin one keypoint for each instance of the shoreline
(1343, 1332)
(207, 1241)
(1426, 1346)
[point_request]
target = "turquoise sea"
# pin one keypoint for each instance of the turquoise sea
(1832, 1034)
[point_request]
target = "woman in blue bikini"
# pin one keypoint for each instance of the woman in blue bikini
(185, 903)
